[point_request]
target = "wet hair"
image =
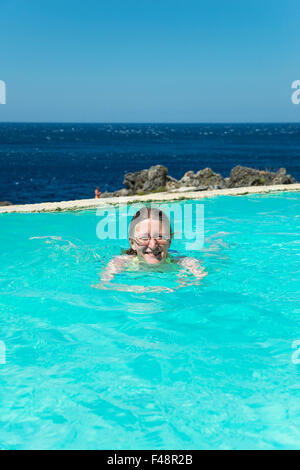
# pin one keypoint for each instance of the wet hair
(146, 213)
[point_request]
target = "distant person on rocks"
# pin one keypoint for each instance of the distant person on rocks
(97, 193)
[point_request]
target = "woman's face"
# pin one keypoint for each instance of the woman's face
(151, 241)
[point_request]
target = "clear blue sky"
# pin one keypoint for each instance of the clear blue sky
(149, 60)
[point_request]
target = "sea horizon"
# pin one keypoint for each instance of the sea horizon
(151, 122)
(47, 162)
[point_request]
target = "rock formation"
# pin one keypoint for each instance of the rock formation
(207, 179)
(156, 179)
(242, 176)
(147, 181)
(5, 203)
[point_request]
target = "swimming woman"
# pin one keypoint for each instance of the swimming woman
(150, 237)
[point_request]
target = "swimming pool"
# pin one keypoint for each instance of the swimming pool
(209, 365)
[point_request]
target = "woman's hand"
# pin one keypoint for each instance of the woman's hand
(190, 266)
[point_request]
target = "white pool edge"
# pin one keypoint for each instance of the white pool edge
(153, 197)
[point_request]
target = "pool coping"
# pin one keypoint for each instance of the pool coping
(153, 197)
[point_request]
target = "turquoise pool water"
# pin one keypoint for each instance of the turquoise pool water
(206, 366)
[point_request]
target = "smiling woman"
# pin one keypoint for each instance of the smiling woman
(150, 237)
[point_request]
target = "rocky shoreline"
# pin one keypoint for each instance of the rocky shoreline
(156, 179)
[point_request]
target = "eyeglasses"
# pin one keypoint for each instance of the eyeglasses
(159, 239)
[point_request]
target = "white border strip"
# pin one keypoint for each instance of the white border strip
(164, 196)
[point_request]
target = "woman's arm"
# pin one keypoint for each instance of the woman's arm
(116, 266)
(190, 266)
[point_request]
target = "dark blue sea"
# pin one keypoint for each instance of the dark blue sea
(54, 162)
